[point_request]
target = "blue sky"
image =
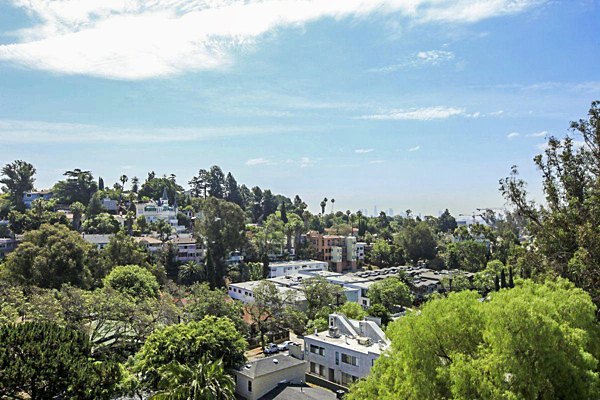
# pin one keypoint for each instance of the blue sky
(420, 104)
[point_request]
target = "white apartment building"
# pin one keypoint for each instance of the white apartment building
(346, 352)
(360, 251)
(294, 267)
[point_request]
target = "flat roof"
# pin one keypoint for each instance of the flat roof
(346, 342)
(298, 262)
(299, 392)
(268, 365)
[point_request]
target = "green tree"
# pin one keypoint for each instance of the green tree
(133, 280)
(190, 273)
(379, 311)
(232, 191)
(418, 242)
(77, 209)
(531, 342)
(101, 224)
(206, 380)
(352, 310)
(468, 255)
(187, 344)
(49, 257)
(79, 186)
(95, 206)
(390, 293)
(320, 293)
(44, 361)
(18, 179)
(203, 301)
(222, 227)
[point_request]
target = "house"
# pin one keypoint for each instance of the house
(244, 292)
(360, 251)
(149, 243)
(257, 378)
(7, 245)
(338, 251)
(160, 210)
(100, 241)
(110, 205)
(346, 352)
(188, 249)
(293, 267)
(30, 197)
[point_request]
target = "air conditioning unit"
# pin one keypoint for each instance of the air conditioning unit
(334, 332)
(364, 341)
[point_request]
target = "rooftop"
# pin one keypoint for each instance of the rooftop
(298, 392)
(347, 342)
(268, 365)
(96, 238)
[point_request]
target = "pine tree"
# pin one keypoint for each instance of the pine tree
(503, 284)
(511, 283)
(100, 183)
(284, 217)
(496, 283)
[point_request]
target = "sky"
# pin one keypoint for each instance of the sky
(401, 104)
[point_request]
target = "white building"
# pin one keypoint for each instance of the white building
(244, 292)
(259, 377)
(346, 352)
(294, 267)
(188, 249)
(360, 251)
(160, 210)
(98, 240)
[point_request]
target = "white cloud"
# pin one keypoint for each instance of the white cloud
(420, 59)
(416, 148)
(137, 39)
(24, 132)
(363, 151)
(420, 114)
(376, 161)
(258, 161)
(497, 113)
(512, 135)
(538, 134)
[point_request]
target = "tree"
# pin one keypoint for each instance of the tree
(446, 222)
(379, 311)
(79, 186)
(468, 255)
(531, 342)
(49, 257)
(390, 293)
(133, 280)
(123, 179)
(135, 184)
(269, 204)
(323, 205)
(103, 223)
(40, 213)
(154, 188)
(320, 293)
(188, 343)
(190, 273)
(40, 360)
(567, 241)
(100, 183)
(216, 182)
(203, 301)
(232, 191)
(352, 310)
(77, 209)
(206, 380)
(18, 179)
(418, 242)
(222, 227)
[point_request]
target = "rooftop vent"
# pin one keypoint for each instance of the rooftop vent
(275, 361)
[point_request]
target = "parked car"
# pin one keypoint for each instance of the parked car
(285, 345)
(271, 349)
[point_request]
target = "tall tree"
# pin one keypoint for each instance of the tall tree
(135, 184)
(446, 222)
(77, 209)
(323, 205)
(123, 179)
(216, 182)
(232, 191)
(79, 186)
(17, 178)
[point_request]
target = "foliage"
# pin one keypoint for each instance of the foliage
(446, 222)
(17, 178)
(379, 311)
(206, 380)
(203, 301)
(390, 293)
(467, 255)
(320, 293)
(418, 242)
(79, 186)
(49, 257)
(44, 361)
(132, 280)
(103, 223)
(384, 254)
(187, 343)
(531, 342)
(352, 310)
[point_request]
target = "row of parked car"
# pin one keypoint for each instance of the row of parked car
(273, 348)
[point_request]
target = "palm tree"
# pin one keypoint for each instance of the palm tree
(323, 205)
(123, 180)
(206, 380)
(332, 202)
(135, 184)
(190, 273)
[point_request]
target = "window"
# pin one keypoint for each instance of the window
(337, 358)
(347, 379)
(249, 386)
(348, 359)
(317, 350)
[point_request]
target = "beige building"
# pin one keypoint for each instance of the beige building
(259, 377)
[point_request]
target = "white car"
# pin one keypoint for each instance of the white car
(285, 345)
(271, 348)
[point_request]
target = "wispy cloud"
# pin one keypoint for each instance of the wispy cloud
(363, 151)
(138, 39)
(376, 161)
(258, 161)
(18, 131)
(538, 134)
(419, 114)
(420, 59)
(513, 135)
(416, 148)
